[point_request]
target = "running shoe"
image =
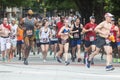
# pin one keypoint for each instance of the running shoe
(59, 60)
(44, 60)
(73, 58)
(109, 68)
(85, 60)
(3, 59)
(88, 64)
(25, 62)
(79, 59)
(50, 52)
(67, 63)
(33, 53)
(19, 58)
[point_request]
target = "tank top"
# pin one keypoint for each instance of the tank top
(20, 32)
(66, 31)
(37, 34)
(77, 35)
(29, 25)
(44, 36)
(54, 38)
(14, 31)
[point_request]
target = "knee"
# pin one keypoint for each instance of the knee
(60, 51)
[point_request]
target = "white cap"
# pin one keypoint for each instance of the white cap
(108, 15)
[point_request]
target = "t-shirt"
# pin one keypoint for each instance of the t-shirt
(113, 32)
(59, 26)
(91, 35)
(118, 39)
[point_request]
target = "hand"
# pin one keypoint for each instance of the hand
(77, 30)
(24, 28)
(90, 29)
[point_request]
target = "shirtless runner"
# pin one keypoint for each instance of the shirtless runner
(103, 30)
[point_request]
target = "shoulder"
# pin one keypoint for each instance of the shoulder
(87, 25)
(63, 27)
(102, 24)
(81, 25)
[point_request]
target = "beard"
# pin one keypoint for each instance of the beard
(30, 16)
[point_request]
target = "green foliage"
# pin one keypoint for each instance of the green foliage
(86, 7)
(18, 3)
(61, 4)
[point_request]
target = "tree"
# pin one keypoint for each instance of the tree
(16, 3)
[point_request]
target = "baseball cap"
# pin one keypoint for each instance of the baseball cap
(108, 15)
(92, 17)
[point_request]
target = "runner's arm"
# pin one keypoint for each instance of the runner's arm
(60, 32)
(98, 28)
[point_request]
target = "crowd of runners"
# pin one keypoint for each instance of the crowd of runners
(61, 36)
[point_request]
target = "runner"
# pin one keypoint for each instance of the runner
(53, 40)
(44, 39)
(115, 32)
(5, 30)
(90, 37)
(103, 30)
(59, 26)
(20, 42)
(37, 35)
(76, 41)
(29, 23)
(13, 37)
(118, 42)
(64, 40)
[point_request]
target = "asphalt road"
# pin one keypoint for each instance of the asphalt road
(52, 70)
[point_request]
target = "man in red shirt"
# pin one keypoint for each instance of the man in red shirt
(59, 26)
(90, 37)
(118, 41)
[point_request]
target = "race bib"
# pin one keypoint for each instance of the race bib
(92, 38)
(12, 36)
(63, 41)
(76, 35)
(45, 40)
(29, 32)
(107, 41)
(7, 40)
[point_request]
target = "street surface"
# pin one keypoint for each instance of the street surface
(52, 70)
